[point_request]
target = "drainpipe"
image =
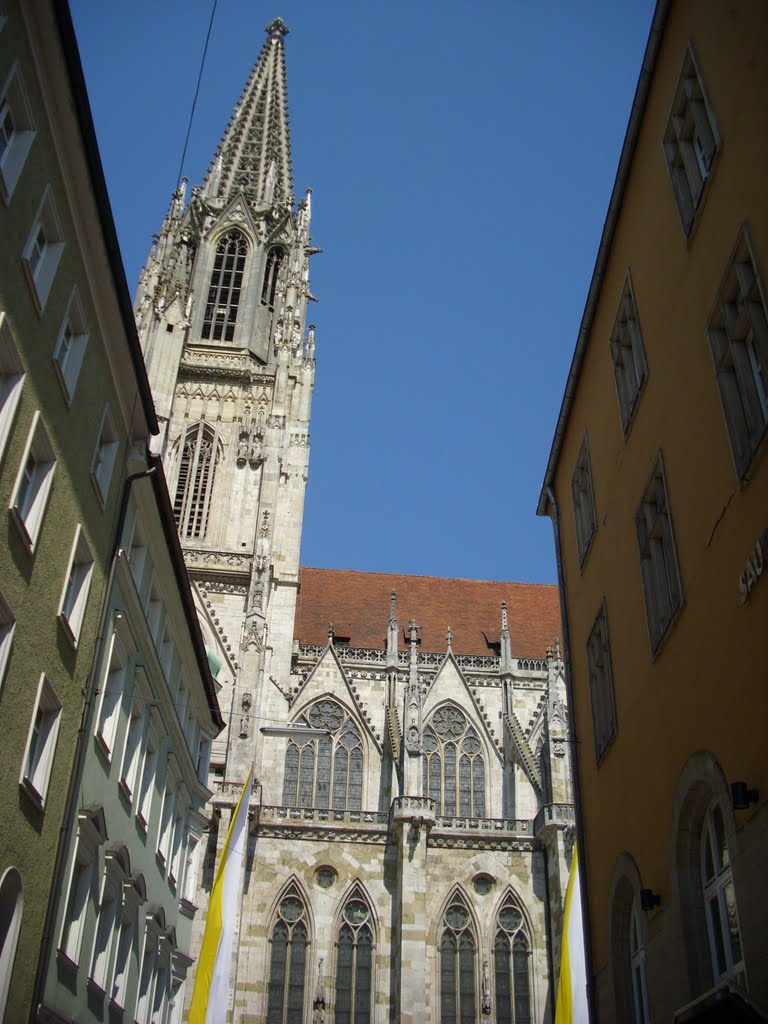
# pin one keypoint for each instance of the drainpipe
(81, 747)
(591, 996)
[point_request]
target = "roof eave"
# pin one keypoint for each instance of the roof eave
(609, 228)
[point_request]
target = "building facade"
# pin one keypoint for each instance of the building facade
(409, 820)
(657, 485)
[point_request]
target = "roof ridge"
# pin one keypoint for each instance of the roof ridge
(422, 576)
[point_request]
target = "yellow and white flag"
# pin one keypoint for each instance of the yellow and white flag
(572, 1005)
(209, 996)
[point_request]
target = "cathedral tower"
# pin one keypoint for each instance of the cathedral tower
(221, 310)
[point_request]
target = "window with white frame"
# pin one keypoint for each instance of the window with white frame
(147, 971)
(191, 855)
(134, 897)
(177, 843)
(33, 482)
(11, 909)
(627, 355)
(658, 560)
(17, 131)
(203, 758)
(105, 453)
(137, 555)
(154, 610)
(601, 684)
(134, 740)
(70, 347)
(41, 743)
(111, 697)
(149, 770)
(43, 250)
(83, 882)
(11, 381)
(166, 653)
(583, 502)
(7, 627)
(691, 140)
(738, 337)
(167, 819)
(74, 597)
(720, 901)
(161, 983)
(637, 965)
(116, 873)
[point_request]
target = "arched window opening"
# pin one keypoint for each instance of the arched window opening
(512, 955)
(288, 962)
(226, 285)
(11, 908)
(326, 771)
(354, 960)
(458, 1001)
(275, 258)
(454, 769)
(194, 485)
(720, 900)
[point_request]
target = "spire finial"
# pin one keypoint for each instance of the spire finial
(393, 608)
(449, 639)
(277, 29)
(504, 625)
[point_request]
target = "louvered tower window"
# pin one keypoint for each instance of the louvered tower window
(194, 485)
(354, 959)
(454, 770)
(275, 258)
(458, 1001)
(288, 962)
(327, 771)
(226, 285)
(511, 954)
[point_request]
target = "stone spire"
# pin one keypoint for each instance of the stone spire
(254, 155)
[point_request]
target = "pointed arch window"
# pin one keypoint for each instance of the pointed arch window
(194, 485)
(458, 997)
(275, 258)
(226, 284)
(453, 766)
(720, 900)
(354, 962)
(288, 962)
(512, 955)
(327, 771)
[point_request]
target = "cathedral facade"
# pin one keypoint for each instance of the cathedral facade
(411, 808)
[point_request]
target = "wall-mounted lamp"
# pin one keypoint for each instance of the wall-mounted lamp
(649, 899)
(742, 796)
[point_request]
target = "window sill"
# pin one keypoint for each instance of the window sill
(187, 908)
(99, 493)
(95, 987)
(18, 521)
(103, 748)
(125, 791)
(29, 788)
(67, 630)
(66, 391)
(66, 961)
(657, 650)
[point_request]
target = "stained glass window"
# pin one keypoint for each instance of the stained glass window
(226, 284)
(458, 1000)
(354, 960)
(454, 770)
(511, 954)
(326, 771)
(288, 961)
(194, 484)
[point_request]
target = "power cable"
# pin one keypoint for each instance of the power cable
(197, 91)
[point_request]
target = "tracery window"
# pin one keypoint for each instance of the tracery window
(454, 769)
(458, 1001)
(326, 771)
(720, 900)
(354, 960)
(194, 485)
(511, 955)
(288, 962)
(275, 258)
(226, 284)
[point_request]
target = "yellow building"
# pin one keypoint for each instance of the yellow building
(657, 485)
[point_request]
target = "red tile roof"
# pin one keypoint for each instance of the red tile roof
(357, 603)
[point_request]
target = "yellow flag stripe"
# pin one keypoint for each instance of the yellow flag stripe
(213, 926)
(564, 1005)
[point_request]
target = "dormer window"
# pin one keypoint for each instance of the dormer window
(226, 285)
(275, 258)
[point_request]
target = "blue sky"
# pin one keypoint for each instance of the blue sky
(461, 158)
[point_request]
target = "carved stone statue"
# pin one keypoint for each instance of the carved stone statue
(242, 448)
(486, 989)
(245, 707)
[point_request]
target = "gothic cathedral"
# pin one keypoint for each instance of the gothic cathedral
(410, 822)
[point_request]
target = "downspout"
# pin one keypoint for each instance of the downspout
(573, 740)
(57, 880)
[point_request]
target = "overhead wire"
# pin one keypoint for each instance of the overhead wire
(197, 92)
